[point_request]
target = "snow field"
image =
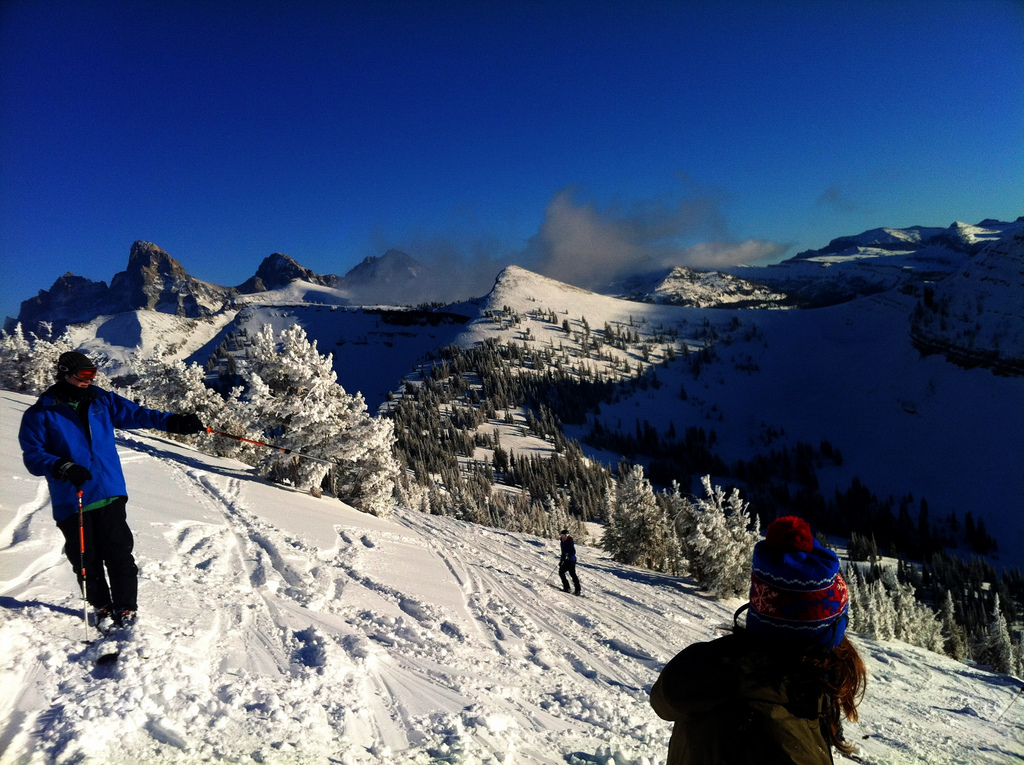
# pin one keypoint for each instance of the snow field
(278, 628)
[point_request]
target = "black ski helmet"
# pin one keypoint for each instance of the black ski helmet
(70, 362)
(564, 532)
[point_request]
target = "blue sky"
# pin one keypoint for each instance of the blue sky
(493, 132)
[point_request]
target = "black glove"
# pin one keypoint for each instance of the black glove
(66, 470)
(185, 424)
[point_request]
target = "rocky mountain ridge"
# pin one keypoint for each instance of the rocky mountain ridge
(155, 281)
(700, 289)
(878, 260)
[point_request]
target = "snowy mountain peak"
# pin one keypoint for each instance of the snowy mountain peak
(279, 270)
(878, 260)
(393, 267)
(157, 282)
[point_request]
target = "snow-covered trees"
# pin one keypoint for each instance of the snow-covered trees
(28, 364)
(997, 648)
(712, 536)
(177, 387)
(639, 533)
(718, 534)
(293, 398)
(290, 398)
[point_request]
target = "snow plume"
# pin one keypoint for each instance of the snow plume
(456, 267)
(585, 245)
(589, 247)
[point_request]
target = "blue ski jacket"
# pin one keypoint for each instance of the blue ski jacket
(568, 549)
(51, 431)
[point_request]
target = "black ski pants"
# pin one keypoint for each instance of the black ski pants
(108, 545)
(568, 567)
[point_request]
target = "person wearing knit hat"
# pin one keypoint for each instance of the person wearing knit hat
(67, 436)
(797, 594)
(775, 690)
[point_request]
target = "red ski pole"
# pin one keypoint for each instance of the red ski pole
(81, 560)
(281, 449)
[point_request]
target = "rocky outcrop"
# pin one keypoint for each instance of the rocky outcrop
(71, 299)
(157, 282)
(152, 281)
(278, 270)
(700, 289)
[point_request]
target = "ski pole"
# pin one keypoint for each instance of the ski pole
(548, 579)
(1015, 697)
(271, 446)
(81, 560)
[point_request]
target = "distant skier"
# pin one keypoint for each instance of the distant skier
(774, 692)
(68, 437)
(567, 563)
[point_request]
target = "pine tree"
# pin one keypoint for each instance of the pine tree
(882, 623)
(641, 534)
(28, 364)
(997, 648)
(721, 542)
(294, 399)
(954, 636)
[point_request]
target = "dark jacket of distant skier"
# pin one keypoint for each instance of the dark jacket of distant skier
(774, 692)
(567, 562)
(67, 436)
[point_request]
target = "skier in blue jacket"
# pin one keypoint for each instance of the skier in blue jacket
(567, 563)
(68, 437)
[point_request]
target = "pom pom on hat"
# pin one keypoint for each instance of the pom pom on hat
(790, 533)
(797, 595)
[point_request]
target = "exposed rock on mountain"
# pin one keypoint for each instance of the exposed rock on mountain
(700, 289)
(394, 267)
(278, 270)
(394, 277)
(71, 299)
(157, 282)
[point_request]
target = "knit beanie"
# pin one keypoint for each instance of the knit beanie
(70, 362)
(797, 595)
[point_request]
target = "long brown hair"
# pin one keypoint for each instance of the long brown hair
(843, 679)
(837, 675)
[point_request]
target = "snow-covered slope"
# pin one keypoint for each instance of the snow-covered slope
(879, 260)
(976, 315)
(115, 340)
(278, 628)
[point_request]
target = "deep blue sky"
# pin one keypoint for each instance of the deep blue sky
(525, 131)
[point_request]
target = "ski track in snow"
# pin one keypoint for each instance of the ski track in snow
(280, 628)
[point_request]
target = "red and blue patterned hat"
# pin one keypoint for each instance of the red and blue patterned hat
(797, 595)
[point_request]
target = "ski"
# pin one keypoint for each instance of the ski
(567, 592)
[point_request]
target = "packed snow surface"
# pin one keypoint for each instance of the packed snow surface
(279, 628)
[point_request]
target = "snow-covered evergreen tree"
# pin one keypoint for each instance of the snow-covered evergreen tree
(857, 613)
(721, 542)
(683, 517)
(997, 648)
(14, 353)
(641, 533)
(882, 613)
(177, 387)
(294, 400)
(28, 363)
(954, 635)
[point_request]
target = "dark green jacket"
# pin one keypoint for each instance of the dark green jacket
(734, 703)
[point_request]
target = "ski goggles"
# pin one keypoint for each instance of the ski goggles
(85, 375)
